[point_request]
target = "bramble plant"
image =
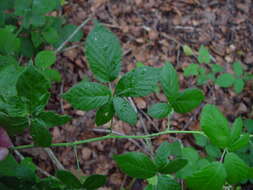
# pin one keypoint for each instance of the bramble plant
(24, 94)
(207, 71)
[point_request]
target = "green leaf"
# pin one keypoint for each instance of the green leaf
(138, 82)
(41, 7)
(8, 166)
(22, 7)
(211, 177)
(187, 100)
(136, 164)
(26, 170)
(87, 95)
(159, 110)
(237, 170)
(248, 76)
(51, 35)
(204, 56)
(200, 140)
(124, 110)
(248, 123)
(213, 151)
(40, 134)
(11, 72)
(13, 125)
(162, 153)
(52, 75)
(215, 126)
(167, 183)
(45, 59)
(202, 78)
(191, 70)
(94, 182)
(192, 156)
(68, 179)
(187, 50)
(169, 80)
(239, 85)
(104, 53)
(27, 49)
(33, 86)
(236, 129)
(37, 38)
(240, 143)
(13, 106)
(51, 119)
(105, 113)
(238, 68)
(217, 68)
(173, 166)
(225, 80)
(9, 43)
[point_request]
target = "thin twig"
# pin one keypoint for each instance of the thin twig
(148, 142)
(53, 158)
(73, 34)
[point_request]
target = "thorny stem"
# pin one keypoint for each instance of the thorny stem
(111, 136)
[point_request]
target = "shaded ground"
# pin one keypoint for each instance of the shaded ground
(150, 31)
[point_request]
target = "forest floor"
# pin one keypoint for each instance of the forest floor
(150, 31)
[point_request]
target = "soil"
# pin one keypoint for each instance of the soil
(150, 31)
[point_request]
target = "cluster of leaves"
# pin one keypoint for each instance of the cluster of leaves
(206, 71)
(25, 28)
(35, 28)
(20, 176)
(104, 56)
(198, 172)
(24, 96)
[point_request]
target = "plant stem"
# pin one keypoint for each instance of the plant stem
(111, 136)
